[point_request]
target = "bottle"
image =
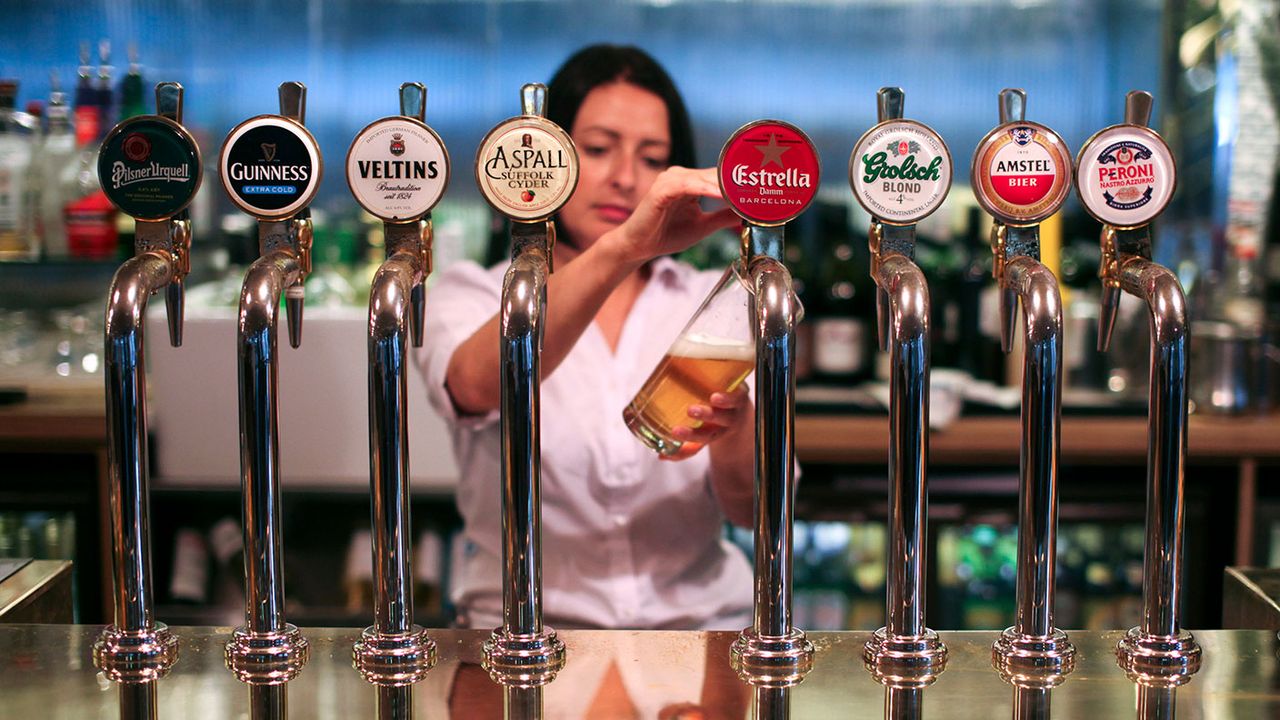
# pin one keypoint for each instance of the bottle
(1083, 366)
(189, 582)
(132, 104)
(16, 238)
(943, 265)
(56, 154)
(90, 218)
(979, 351)
(843, 331)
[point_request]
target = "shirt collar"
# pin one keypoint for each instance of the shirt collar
(669, 271)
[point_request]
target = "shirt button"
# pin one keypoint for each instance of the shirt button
(619, 521)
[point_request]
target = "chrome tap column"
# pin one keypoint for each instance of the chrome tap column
(524, 652)
(1021, 175)
(1126, 177)
(900, 171)
(403, 153)
(773, 155)
(150, 168)
(271, 168)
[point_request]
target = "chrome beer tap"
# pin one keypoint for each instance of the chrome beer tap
(150, 168)
(271, 168)
(1126, 177)
(923, 178)
(524, 652)
(1021, 175)
(772, 653)
(395, 651)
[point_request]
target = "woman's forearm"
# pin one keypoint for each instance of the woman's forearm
(733, 473)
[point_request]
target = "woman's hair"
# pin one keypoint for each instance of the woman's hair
(598, 65)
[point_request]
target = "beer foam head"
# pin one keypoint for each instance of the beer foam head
(706, 347)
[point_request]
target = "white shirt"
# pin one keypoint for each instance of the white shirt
(627, 540)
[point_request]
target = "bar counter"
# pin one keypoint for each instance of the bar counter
(46, 671)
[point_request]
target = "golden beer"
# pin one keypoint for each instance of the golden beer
(692, 370)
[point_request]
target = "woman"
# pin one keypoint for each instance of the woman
(628, 541)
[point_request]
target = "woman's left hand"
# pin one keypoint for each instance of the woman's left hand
(728, 414)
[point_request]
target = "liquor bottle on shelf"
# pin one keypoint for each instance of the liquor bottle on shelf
(56, 153)
(799, 254)
(944, 264)
(843, 333)
(1083, 366)
(132, 104)
(89, 216)
(979, 345)
(17, 241)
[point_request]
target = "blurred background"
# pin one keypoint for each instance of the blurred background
(75, 67)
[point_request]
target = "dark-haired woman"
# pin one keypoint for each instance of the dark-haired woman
(628, 541)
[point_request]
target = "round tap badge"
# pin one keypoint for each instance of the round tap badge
(149, 167)
(1021, 173)
(900, 171)
(527, 168)
(769, 172)
(270, 166)
(397, 169)
(1125, 175)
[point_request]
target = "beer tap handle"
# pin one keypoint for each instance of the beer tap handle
(533, 99)
(1137, 107)
(1013, 105)
(175, 292)
(1109, 273)
(295, 294)
(890, 103)
(413, 100)
(417, 313)
(874, 238)
(169, 101)
(293, 101)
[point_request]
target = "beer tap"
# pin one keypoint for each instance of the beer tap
(149, 167)
(271, 167)
(395, 651)
(524, 651)
(900, 171)
(1021, 175)
(1126, 178)
(772, 652)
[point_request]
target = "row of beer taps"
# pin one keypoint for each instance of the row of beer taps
(772, 654)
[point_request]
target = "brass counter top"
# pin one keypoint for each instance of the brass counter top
(46, 672)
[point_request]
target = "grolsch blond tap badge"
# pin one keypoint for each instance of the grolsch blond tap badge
(1021, 172)
(398, 167)
(900, 171)
(527, 166)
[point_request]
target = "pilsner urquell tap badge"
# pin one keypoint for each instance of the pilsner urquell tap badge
(900, 171)
(1021, 172)
(527, 168)
(769, 172)
(397, 168)
(1125, 175)
(270, 166)
(150, 167)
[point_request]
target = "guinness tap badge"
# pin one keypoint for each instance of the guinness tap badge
(769, 172)
(527, 168)
(1021, 173)
(900, 171)
(1125, 175)
(149, 167)
(270, 166)
(397, 168)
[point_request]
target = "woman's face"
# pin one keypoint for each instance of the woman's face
(623, 144)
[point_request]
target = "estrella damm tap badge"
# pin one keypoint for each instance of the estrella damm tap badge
(1125, 175)
(900, 171)
(527, 168)
(270, 166)
(149, 167)
(397, 168)
(1021, 173)
(769, 172)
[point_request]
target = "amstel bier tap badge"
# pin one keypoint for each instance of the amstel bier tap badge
(270, 166)
(149, 167)
(397, 168)
(769, 172)
(527, 168)
(1021, 173)
(900, 171)
(1125, 175)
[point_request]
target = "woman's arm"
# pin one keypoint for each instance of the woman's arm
(668, 219)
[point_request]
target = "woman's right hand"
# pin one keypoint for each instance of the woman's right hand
(668, 218)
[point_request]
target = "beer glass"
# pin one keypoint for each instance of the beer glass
(714, 353)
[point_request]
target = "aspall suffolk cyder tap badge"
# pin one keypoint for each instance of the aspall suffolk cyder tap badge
(149, 167)
(397, 168)
(270, 166)
(769, 172)
(1021, 173)
(900, 171)
(527, 168)
(1126, 175)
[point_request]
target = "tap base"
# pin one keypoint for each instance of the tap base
(135, 656)
(266, 658)
(393, 659)
(1033, 661)
(771, 661)
(523, 660)
(1158, 660)
(905, 661)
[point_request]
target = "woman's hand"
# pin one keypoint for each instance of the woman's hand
(668, 218)
(729, 414)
